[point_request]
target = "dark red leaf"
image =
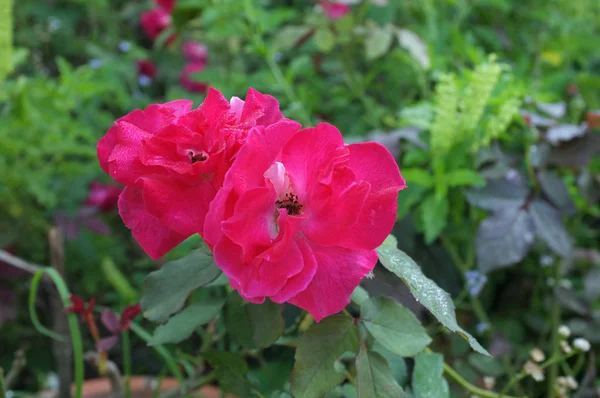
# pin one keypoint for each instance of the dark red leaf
(128, 314)
(110, 321)
(107, 343)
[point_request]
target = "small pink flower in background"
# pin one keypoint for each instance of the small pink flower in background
(173, 160)
(335, 10)
(155, 21)
(300, 214)
(195, 51)
(187, 81)
(146, 68)
(103, 196)
(116, 325)
(168, 5)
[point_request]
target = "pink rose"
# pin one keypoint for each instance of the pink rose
(103, 196)
(173, 160)
(194, 51)
(155, 21)
(188, 82)
(300, 214)
(335, 10)
(146, 68)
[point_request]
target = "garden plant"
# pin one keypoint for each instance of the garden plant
(299, 198)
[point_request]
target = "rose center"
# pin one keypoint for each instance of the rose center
(197, 156)
(290, 203)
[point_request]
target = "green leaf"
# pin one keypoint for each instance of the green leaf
(288, 36)
(427, 380)
(378, 41)
(359, 295)
(434, 214)
(395, 327)
(181, 326)
(375, 379)
(421, 177)
(416, 47)
(461, 177)
(488, 366)
(556, 191)
(231, 371)
(266, 321)
(318, 350)
(408, 197)
(119, 282)
(325, 40)
(253, 325)
(426, 291)
(550, 228)
(166, 289)
(397, 363)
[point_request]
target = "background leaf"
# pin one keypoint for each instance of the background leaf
(503, 239)
(166, 290)
(426, 291)
(434, 213)
(498, 195)
(550, 228)
(231, 370)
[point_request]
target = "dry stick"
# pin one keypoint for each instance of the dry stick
(110, 369)
(17, 366)
(63, 352)
(19, 263)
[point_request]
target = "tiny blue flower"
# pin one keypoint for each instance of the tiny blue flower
(95, 63)
(482, 327)
(475, 282)
(125, 46)
(144, 80)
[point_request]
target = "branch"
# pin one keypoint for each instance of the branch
(19, 263)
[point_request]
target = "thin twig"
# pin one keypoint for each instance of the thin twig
(17, 367)
(19, 263)
(110, 369)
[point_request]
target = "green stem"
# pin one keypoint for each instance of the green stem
(160, 350)
(2, 385)
(76, 342)
(125, 341)
(555, 323)
(468, 386)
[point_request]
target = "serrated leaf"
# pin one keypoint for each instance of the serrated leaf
(462, 177)
(397, 364)
(415, 46)
(434, 214)
(266, 321)
(253, 325)
(498, 194)
(319, 348)
(550, 228)
(503, 239)
(231, 371)
(395, 327)
(556, 191)
(325, 40)
(181, 326)
(378, 41)
(427, 380)
(375, 379)
(166, 289)
(425, 291)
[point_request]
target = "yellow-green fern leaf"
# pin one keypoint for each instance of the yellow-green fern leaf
(444, 127)
(498, 124)
(481, 84)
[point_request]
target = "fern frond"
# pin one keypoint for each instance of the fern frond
(444, 127)
(498, 123)
(477, 95)
(5, 37)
